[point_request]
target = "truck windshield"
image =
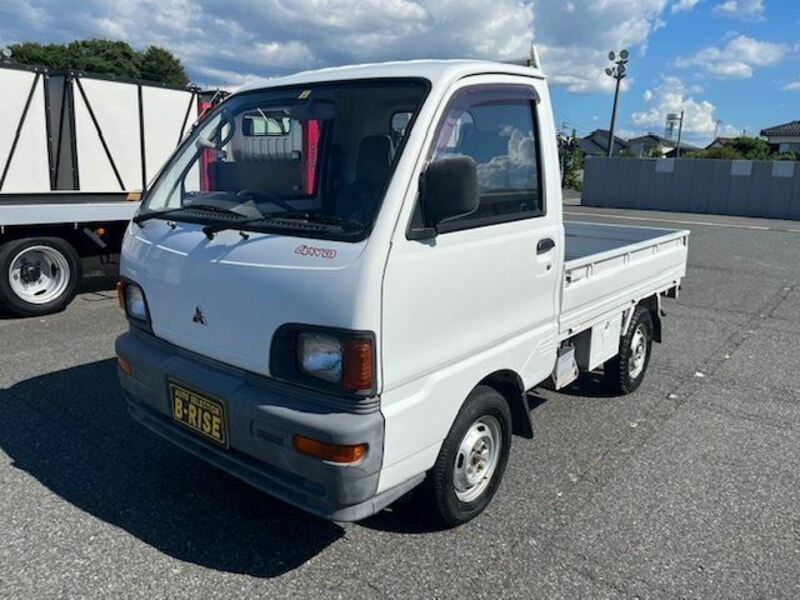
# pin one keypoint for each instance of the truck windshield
(310, 161)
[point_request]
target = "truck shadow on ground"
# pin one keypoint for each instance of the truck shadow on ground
(589, 385)
(70, 431)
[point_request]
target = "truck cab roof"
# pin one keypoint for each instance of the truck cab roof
(435, 71)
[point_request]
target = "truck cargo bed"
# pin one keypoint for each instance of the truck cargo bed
(611, 267)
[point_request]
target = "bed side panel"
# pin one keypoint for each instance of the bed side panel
(597, 285)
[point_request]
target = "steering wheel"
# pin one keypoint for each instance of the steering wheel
(255, 194)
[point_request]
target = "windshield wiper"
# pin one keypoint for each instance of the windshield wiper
(346, 224)
(160, 214)
(349, 224)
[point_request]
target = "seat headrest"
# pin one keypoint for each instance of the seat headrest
(375, 153)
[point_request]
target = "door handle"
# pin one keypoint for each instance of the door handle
(545, 245)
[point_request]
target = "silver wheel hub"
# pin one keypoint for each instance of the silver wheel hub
(39, 274)
(638, 354)
(477, 458)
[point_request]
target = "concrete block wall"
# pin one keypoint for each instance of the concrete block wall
(747, 188)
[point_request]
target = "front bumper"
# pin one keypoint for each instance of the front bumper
(263, 415)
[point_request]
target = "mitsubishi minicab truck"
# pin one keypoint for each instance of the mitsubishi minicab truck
(343, 282)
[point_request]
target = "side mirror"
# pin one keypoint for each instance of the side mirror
(449, 189)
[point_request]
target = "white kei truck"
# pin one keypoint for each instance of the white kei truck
(362, 312)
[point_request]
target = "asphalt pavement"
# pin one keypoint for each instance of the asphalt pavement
(689, 488)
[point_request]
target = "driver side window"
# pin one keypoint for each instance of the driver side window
(497, 128)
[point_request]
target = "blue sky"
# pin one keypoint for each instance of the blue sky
(675, 70)
(734, 60)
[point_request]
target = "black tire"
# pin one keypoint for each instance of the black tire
(622, 374)
(483, 406)
(18, 305)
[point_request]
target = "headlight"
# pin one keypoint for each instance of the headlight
(134, 302)
(328, 359)
(320, 356)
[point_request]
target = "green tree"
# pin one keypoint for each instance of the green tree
(572, 158)
(52, 56)
(104, 56)
(161, 65)
(752, 148)
(741, 148)
(726, 152)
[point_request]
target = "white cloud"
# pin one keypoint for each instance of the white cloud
(245, 40)
(627, 134)
(684, 6)
(738, 59)
(673, 96)
(792, 87)
(741, 9)
(648, 95)
(574, 49)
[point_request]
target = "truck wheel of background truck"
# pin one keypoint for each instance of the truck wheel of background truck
(625, 372)
(472, 459)
(38, 276)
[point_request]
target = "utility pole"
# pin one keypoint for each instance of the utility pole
(716, 128)
(618, 72)
(680, 133)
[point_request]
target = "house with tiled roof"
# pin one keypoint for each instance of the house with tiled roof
(719, 142)
(783, 138)
(596, 143)
(644, 145)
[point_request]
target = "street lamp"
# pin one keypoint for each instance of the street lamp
(618, 72)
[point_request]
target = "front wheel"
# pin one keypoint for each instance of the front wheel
(38, 276)
(625, 372)
(472, 459)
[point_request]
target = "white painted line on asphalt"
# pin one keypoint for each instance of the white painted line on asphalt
(680, 221)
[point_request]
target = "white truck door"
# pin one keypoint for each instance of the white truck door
(482, 294)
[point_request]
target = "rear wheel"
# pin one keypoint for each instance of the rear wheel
(472, 459)
(38, 276)
(625, 372)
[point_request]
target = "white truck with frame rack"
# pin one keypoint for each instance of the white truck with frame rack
(75, 151)
(364, 315)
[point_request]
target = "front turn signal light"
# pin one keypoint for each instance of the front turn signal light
(358, 365)
(124, 366)
(329, 452)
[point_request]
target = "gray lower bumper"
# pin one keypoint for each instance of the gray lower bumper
(263, 415)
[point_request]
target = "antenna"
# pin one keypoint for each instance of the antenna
(531, 61)
(535, 63)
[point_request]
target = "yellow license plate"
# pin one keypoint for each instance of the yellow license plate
(201, 414)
